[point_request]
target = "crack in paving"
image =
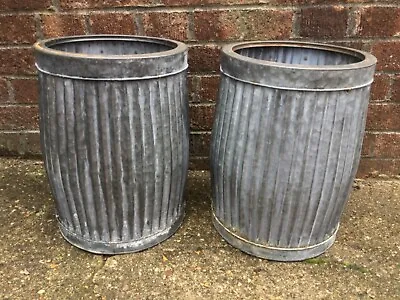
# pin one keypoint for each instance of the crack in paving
(104, 259)
(94, 285)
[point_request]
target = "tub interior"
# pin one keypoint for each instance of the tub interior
(299, 55)
(112, 47)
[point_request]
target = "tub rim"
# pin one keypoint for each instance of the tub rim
(367, 59)
(296, 77)
(46, 44)
(83, 66)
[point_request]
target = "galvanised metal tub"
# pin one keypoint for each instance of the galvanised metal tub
(114, 134)
(286, 144)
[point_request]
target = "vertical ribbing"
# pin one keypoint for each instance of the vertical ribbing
(260, 167)
(271, 178)
(182, 110)
(330, 167)
(67, 212)
(167, 156)
(147, 156)
(60, 138)
(302, 195)
(156, 115)
(176, 168)
(93, 140)
(250, 158)
(216, 140)
(72, 147)
(107, 165)
(83, 176)
(220, 138)
(136, 160)
(244, 155)
(182, 106)
(292, 150)
(283, 161)
(171, 115)
(319, 152)
(353, 152)
(228, 153)
(117, 157)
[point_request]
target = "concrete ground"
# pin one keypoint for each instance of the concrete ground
(36, 263)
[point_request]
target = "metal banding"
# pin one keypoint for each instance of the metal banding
(215, 218)
(111, 78)
(272, 253)
(296, 89)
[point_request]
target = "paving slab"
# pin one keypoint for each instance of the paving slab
(36, 263)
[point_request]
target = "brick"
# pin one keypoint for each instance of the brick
(173, 25)
(396, 89)
(217, 25)
(83, 4)
(368, 145)
(17, 29)
(16, 62)
(323, 22)
(379, 22)
(11, 5)
(244, 24)
(381, 145)
(62, 25)
(201, 117)
(373, 167)
(25, 90)
(208, 88)
(383, 117)
(199, 163)
(310, 2)
(226, 2)
(380, 87)
(4, 96)
(112, 23)
(388, 56)
(19, 117)
(365, 46)
(200, 144)
(26, 144)
(205, 2)
(204, 58)
(188, 2)
(267, 24)
(192, 88)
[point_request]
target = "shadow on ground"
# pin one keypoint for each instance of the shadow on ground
(36, 263)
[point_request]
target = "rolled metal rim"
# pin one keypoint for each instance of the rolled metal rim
(367, 59)
(110, 66)
(272, 253)
(297, 76)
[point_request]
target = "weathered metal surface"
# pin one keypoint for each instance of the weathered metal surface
(286, 144)
(114, 133)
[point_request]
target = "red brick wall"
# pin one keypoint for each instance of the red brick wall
(205, 25)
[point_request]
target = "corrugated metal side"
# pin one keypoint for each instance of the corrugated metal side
(283, 161)
(116, 154)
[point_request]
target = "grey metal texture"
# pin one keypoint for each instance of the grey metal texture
(114, 134)
(286, 144)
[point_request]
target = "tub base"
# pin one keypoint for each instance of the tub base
(272, 253)
(111, 248)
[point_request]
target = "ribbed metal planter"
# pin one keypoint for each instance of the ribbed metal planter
(114, 133)
(286, 144)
